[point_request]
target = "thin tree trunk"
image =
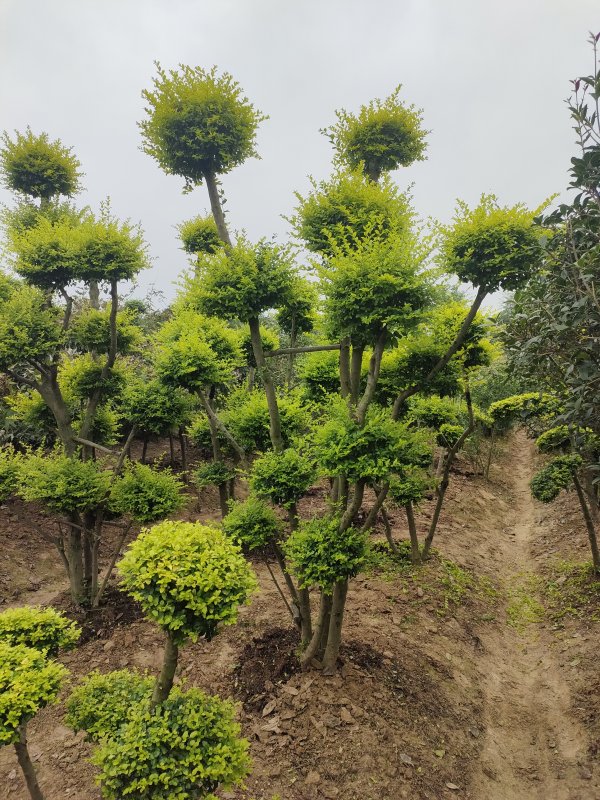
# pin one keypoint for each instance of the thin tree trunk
(95, 295)
(353, 508)
(144, 449)
(490, 456)
(214, 419)
(334, 636)
(172, 449)
(183, 448)
(316, 647)
(355, 372)
(589, 524)
(415, 555)
(265, 372)
(389, 535)
(26, 765)
(164, 682)
(290, 364)
(345, 382)
(372, 378)
(290, 585)
(303, 593)
(109, 570)
(216, 207)
(75, 558)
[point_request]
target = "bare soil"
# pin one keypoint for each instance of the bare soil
(447, 688)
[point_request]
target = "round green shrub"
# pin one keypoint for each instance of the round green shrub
(187, 577)
(252, 523)
(43, 629)
(547, 484)
(214, 473)
(29, 682)
(146, 494)
(200, 235)
(282, 478)
(37, 167)
(90, 331)
(64, 484)
(103, 702)
(448, 435)
(384, 135)
(410, 486)
(198, 122)
(185, 748)
(320, 555)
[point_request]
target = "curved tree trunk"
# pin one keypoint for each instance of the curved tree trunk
(164, 682)
(216, 207)
(26, 765)
(265, 373)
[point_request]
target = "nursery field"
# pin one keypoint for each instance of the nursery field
(325, 525)
(458, 678)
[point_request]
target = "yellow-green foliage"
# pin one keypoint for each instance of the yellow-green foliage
(369, 452)
(384, 135)
(43, 629)
(146, 494)
(243, 281)
(372, 287)
(548, 482)
(346, 209)
(90, 330)
(198, 122)
(102, 703)
(187, 577)
(38, 167)
(64, 484)
(492, 246)
(523, 406)
(252, 523)
(29, 681)
(8, 473)
(182, 750)
(282, 478)
(320, 555)
(199, 235)
(29, 329)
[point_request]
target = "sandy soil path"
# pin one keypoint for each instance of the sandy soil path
(534, 747)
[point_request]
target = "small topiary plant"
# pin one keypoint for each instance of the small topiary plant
(145, 494)
(102, 703)
(189, 579)
(43, 629)
(28, 681)
(282, 478)
(252, 523)
(557, 475)
(185, 748)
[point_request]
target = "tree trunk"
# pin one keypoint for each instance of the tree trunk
(265, 372)
(372, 378)
(415, 555)
(290, 364)
(216, 207)
(318, 642)
(52, 396)
(144, 449)
(75, 559)
(345, 383)
(303, 594)
(355, 371)
(164, 682)
(388, 532)
(95, 295)
(171, 449)
(589, 524)
(26, 765)
(334, 636)
(183, 448)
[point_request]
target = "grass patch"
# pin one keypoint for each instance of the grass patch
(524, 607)
(572, 589)
(445, 584)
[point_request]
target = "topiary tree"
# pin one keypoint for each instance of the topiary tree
(189, 579)
(199, 235)
(325, 554)
(199, 125)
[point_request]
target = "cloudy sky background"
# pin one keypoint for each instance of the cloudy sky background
(490, 76)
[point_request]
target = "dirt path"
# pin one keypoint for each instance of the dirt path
(534, 747)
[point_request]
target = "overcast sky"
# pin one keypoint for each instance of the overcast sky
(491, 76)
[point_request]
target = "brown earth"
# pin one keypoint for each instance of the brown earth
(450, 685)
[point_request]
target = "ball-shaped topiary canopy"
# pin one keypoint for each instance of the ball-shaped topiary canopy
(37, 167)
(187, 577)
(198, 122)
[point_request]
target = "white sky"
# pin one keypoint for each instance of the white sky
(490, 76)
